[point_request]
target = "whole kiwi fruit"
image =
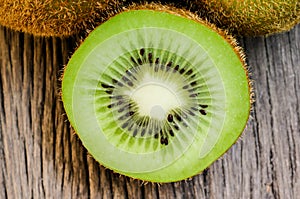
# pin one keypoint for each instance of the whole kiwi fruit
(249, 17)
(54, 17)
(156, 93)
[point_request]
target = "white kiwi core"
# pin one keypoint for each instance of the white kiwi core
(155, 100)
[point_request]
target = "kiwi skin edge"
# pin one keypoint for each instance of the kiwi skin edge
(249, 18)
(55, 17)
(237, 50)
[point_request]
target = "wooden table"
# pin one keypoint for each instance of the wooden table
(40, 157)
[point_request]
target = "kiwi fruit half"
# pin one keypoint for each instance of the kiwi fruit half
(250, 17)
(54, 17)
(157, 94)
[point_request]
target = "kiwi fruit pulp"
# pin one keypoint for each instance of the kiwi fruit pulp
(250, 17)
(157, 94)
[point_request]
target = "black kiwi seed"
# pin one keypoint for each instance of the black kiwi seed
(176, 68)
(121, 109)
(178, 117)
(142, 51)
(134, 132)
(109, 106)
(176, 127)
(140, 61)
(130, 128)
(140, 122)
(131, 113)
(166, 141)
(192, 76)
(170, 118)
(128, 114)
(189, 72)
(125, 125)
(181, 71)
(125, 78)
(169, 66)
(156, 136)
(157, 61)
(185, 87)
(133, 60)
(106, 86)
(130, 83)
(143, 132)
(171, 132)
(162, 140)
(194, 108)
(193, 95)
(194, 83)
(203, 105)
(150, 58)
(202, 111)
(109, 91)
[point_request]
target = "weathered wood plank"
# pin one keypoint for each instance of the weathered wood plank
(40, 157)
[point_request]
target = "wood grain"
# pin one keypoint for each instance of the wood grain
(40, 157)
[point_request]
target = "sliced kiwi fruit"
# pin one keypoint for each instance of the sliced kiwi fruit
(156, 93)
(250, 17)
(54, 17)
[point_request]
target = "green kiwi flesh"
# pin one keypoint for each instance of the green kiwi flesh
(157, 96)
(250, 17)
(53, 17)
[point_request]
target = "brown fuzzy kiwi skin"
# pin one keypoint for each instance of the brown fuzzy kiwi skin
(249, 17)
(55, 17)
(172, 9)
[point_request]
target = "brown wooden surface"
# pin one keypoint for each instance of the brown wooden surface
(41, 158)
